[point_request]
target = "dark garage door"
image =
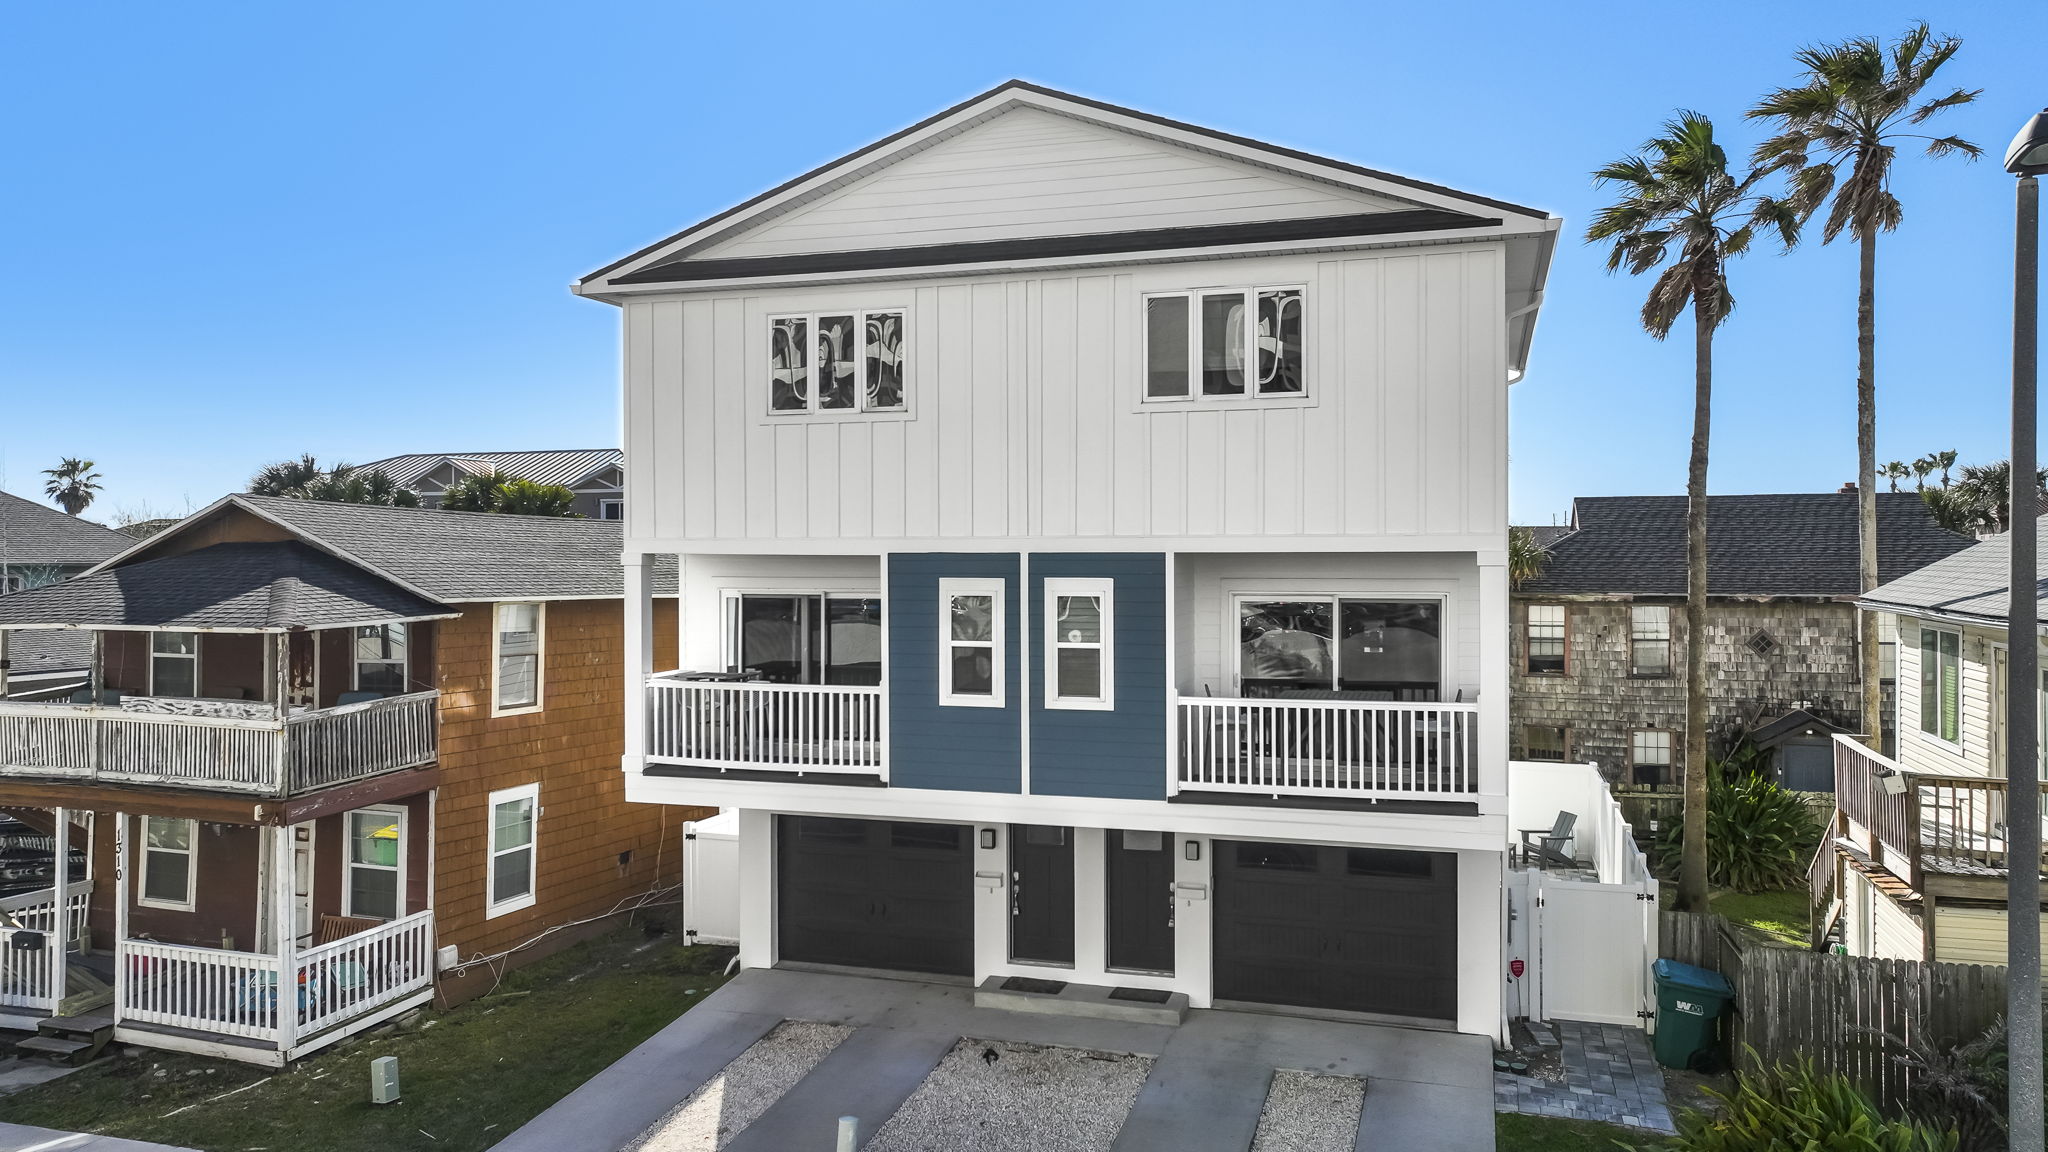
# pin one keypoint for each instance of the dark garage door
(875, 894)
(1353, 929)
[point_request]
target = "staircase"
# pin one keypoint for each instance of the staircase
(68, 1039)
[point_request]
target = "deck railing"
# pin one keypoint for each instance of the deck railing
(1922, 819)
(358, 974)
(1329, 747)
(27, 979)
(767, 727)
(308, 750)
(31, 910)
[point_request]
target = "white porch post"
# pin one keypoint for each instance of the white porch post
(639, 637)
(284, 929)
(121, 871)
(60, 912)
(1493, 673)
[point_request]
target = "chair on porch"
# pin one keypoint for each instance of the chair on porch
(334, 927)
(1546, 846)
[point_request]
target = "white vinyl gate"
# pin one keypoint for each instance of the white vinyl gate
(1587, 948)
(711, 879)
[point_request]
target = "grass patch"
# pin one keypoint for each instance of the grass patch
(470, 1075)
(1779, 916)
(1515, 1132)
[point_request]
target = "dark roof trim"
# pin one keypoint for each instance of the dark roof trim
(1025, 86)
(1061, 247)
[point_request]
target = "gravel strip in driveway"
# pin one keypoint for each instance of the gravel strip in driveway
(1027, 1099)
(1309, 1112)
(733, 1099)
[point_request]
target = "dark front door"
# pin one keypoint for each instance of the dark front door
(1140, 872)
(1042, 893)
(875, 894)
(1354, 929)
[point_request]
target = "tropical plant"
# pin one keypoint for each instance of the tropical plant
(1921, 468)
(1526, 556)
(1944, 460)
(72, 484)
(501, 492)
(1895, 471)
(285, 476)
(1988, 490)
(1793, 1107)
(1680, 202)
(346, 485)
(1958, 1088)
(1837, 133)
(1760, 835)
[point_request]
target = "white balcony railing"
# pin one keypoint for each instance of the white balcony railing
(766, 727)
(1329, 748)
(307, 750)
(358, 974)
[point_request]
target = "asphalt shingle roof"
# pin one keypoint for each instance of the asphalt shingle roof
(1794, 544)
(270, 585)
(44, 653)
(32, 533)
(564, 466)
(1972, 582)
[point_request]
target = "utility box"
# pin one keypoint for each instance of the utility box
(384, 1080)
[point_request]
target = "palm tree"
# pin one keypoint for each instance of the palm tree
(1986, 489)
(1855, 102)
(1526, 557)
(1680, 201)
(1944, 460)
(281, 478)
(344, 484)
(72, 484)
(502, 492)
(1895, 471)
(1921, 468)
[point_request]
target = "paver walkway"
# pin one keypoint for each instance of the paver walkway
(1609, 1075)
(1426, 1091)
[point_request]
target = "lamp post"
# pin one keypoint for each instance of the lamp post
(2026, 159)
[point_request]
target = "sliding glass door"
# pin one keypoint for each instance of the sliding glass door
(814, 638)
(1340, 647)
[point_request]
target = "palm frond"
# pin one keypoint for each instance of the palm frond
(1951, 145)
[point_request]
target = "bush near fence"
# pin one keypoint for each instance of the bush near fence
(1835, 1010)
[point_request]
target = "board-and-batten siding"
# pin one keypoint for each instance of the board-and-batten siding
(1973, 935)
(1025, 418)
(707, 577)
(1921, 752)
(1029, 172)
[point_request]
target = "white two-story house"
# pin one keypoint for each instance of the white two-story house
(1092, 533)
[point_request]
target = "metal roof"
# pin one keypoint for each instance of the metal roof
(562, 466)
(32, 533)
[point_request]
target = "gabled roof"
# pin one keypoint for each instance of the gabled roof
(255, 587)
(32, 533)
(563, 466)
(1792, 544)
(1970, 585)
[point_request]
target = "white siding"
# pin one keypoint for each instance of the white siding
(1873, 924)
(1025, 419)
(1972, 935)
(1922, 752)
(1029, 172)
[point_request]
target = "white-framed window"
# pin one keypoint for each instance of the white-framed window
(375, 884)
(381, 662)
(174, 664)
(1649, 756)
(1080, 631)
(1941, 684)
(1649, 640)
(805, 637)
(971, 640)
(1225, 343)
(1543, 637)
(1358, 646)
(170, 862)
(837, 361)
(611, 509)
(512, 875)
(517, 649)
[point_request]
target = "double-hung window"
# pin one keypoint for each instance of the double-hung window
(1079, 640)
(1941, 683)
(1650, 756)
(511, 878)
(1221, 343)
(174, 664)
(851, 361)
(1544, 639)
(169, 862)
(380, 659)
(1649, 640)
(971, 642)
(516, 658)
(376, 864)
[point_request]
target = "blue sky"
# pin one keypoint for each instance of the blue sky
(236, 233)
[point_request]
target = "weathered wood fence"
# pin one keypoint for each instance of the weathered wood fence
(1835, 1010)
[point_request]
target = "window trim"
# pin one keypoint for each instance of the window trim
(1672, 748)
(154, 656)
(1670, 642)
(1194, 394)
(860, 372)
(349, 864)
(191, 854)
(1935, 735)
(1564, 732)
(356, 662)
(731, 643)
(1528, 652)
(493, 907)
(1104, 590)
(1233, 623)
(998, 642)
(540, 658)
(618, 502)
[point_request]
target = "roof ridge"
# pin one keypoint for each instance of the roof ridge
(380, 509)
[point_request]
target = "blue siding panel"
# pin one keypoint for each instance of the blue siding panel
(1118, 754)
(952, 748)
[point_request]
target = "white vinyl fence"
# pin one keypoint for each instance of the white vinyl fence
(711, 879)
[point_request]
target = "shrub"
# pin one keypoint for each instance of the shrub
(1760, 836)
(1791, 1107)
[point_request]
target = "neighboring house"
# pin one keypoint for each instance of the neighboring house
(593, 474)
(1095, 559)
(356, 753)
(41, 545)
(1916, 866)
(1600, 641)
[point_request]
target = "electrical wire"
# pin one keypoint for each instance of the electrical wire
(495, 960)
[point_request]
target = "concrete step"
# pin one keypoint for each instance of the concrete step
(60, 1048)
(1093, 1001)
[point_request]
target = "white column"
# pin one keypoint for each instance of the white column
(639, 637)
(991, 900)
(1091, 901)
(121, 873)
(1482, 943)
(1193, 918)
(1493, 675)
(284, 929)
(57, 940)
(757, 888)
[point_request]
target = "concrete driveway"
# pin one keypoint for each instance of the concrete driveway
(1426, 1091)
(22, 1138)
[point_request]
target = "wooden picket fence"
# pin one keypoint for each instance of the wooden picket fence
(1835, 1010)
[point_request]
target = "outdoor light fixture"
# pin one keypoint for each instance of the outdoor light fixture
(988, 837)
(2028, 155)
(1193, 850)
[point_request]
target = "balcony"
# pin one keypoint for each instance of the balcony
(173, 742)
(800, 728)
(1331, 748)
(1920, 822)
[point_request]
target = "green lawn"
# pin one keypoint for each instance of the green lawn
(1780, 916)
(1514, 1132)
(469, 1076)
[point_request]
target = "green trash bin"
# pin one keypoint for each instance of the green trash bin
(1690, 1001)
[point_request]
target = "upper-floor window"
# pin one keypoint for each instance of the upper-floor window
(516, 658)
(1079, 626)
(971, 641)
(1941, 684)
(813, 638)
(1340, 648)
(380, 659)
(1544, 636)
(174, 664)
(1220, 343)
(836, 361)
(1649, 640)
(611, 509)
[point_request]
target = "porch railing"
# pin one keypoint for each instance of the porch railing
(1918, 820)
(1329, 747)
(358, 974)
(309, 750)
(27, 980)
(773, 727)
(31, 910)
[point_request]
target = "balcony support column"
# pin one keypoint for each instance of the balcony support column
(60, 910)
(1493, 673)
(284, 921)
(639, 644)
(121, 872)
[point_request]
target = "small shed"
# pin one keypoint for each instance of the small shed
(1798, 749)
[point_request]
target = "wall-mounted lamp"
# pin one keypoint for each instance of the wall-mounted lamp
(988, 838)
(1192, 850)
